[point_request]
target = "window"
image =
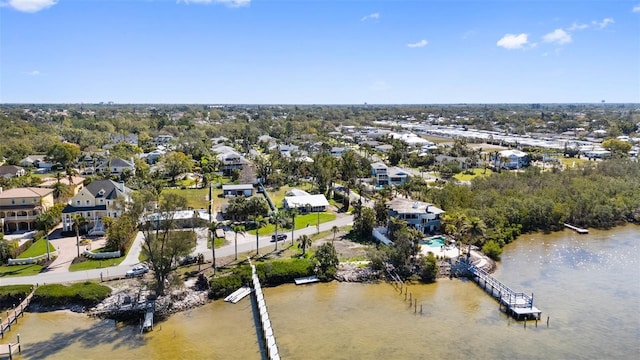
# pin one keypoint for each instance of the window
(101, 201)
(13, 201)
(24, 201)
(88, 213)
(78, 202)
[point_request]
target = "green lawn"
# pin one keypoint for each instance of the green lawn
(197, 198)
(301, 222)
(572, 162)
(20, 270)
(37, 249)
(96, 264)
(476, 172)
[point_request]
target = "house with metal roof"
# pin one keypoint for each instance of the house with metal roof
(423, 216)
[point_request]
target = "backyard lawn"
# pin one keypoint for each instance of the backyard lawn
(572, 162)
(476, 172)
(37, 249)
(198, 198)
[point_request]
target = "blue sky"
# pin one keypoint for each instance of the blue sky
(319, 52)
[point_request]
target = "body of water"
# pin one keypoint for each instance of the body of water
(588, 286)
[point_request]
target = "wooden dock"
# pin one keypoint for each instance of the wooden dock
(517, 304)
(147, 325)
(576, 229)
(12, 315)
(7, 350)
(271, 349)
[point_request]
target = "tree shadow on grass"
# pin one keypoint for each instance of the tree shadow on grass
(101, 334)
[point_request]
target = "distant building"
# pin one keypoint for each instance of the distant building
(512, 159)
(11, 171)
(306, 203)
(230, 190)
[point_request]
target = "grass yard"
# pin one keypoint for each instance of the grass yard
(37, 249)
(218, 241)
(198, 198)
(570, 163)
(476, 173)
(20, 270)
(96, 264)
(301, 222)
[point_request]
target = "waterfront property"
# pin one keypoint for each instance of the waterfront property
(306, 203)
(19, 207)
(98, 199)
(423, 216)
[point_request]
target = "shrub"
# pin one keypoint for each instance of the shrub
(283, 271)
(492, 249)
(86, 294)
(11, 295)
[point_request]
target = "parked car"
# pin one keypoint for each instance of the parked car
(138, 270)
(281, 237)
(189, 259)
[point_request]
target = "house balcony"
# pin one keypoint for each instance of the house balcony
(20, 218)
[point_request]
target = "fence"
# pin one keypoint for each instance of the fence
(32, 260)
(101, 255)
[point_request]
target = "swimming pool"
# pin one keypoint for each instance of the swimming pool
(434, 242)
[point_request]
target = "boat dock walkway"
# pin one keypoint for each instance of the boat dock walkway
(576, 229)
(517, 304)
(147, 325)
(267, 330)
(7, 350)
(12, 315)
(238, 295)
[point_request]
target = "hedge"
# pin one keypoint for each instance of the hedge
(87, 294)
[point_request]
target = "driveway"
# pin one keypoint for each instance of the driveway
(67, 250)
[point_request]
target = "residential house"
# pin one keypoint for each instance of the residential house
(37, 161)
(423, 216)
(11, 171)
(117, 166)
(19, 207)
(98, 199)
(75, 183)
(379, 173)
(384, 148)
(153, 156)
(230, 190)
(338, 151)
(232, 161)
(397, 176)
(162, 139)
(304, 202)
(512, 159)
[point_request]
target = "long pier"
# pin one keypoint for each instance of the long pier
(517, 304)
(12, 315)
(267, 330)
(576, 229)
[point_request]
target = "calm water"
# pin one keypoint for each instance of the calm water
(589, 286)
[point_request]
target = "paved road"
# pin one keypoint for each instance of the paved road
(246, 243)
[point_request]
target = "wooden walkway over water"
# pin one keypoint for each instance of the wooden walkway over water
(7, 350)
(517, 304)
(576, 229)
(12, 315)
(267, 330)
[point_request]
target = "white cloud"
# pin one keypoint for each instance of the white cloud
(419, 44)
(374, 16)
(636, 9)
(511, 41)
(33, 73)
(229, 3)
(557, 36)
(30, 6)
(603, 24)
(576, 26)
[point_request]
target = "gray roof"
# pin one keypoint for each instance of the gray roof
(110, 187)
(237, 187)
(408, 206)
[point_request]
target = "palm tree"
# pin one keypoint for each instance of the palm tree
(78, 221)
(237, 229)
(46, 223)
(260, 221)
(304, 243)
(277, 218)
(334, 230)
(213, 226)
(292, 214)
(476, 230)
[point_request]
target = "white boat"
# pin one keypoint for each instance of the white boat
(306, 280)
(238, 294)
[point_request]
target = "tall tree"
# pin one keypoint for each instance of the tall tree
(277, 218)
(292, 213)
(326, 261)
(237, 229)
(162, 244)
(259, 222)
(213, 226)
(176, 163)
(334, 230)
(78, 222)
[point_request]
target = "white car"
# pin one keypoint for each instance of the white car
(138, 270)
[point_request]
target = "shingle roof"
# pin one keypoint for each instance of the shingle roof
(110, 187)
